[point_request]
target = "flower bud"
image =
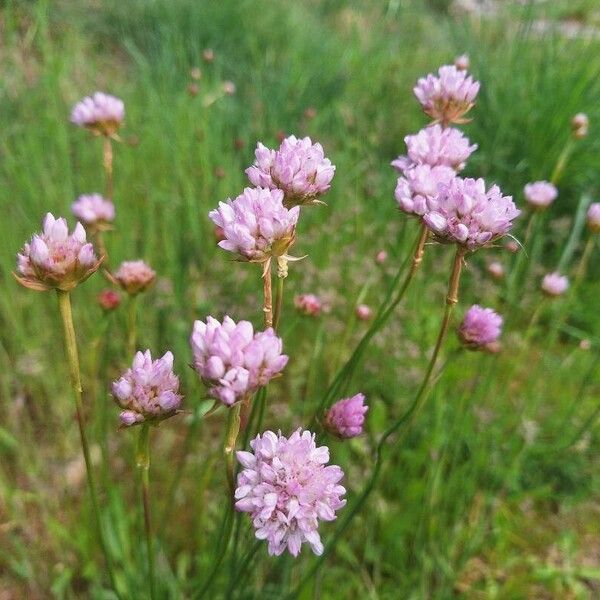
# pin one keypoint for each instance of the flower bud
(109, 300)
(363, 312)
(593, 217)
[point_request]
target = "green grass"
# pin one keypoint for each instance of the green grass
(471, 503)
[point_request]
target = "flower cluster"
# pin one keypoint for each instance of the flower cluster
(555, 284)
(232, 360)
(308, 304)
(448, 96)
(94, 211)
(134, 276)
(464, 212)
(148, 391)
(480, 327)
(101, 113)
(420, 184)
(298, 168)
(346, 417)
(287, 488)
(593, 217)
(540, 194)
(256, 225)
(55, 259)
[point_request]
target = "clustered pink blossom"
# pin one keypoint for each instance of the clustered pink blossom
(363, 312)
(287, 488)
(232, 360)
(256, 225)
(448, 96)
(308, 304)
(464, 212)
(540, 194)
(593, 217)
(94, 211)
(55, 259)
(480, 327)
(346, 417)
(436, 146)
(496, 270)
(420, 184)
(109, 300)
(148, 391)
(381, 257)
(134, 276)
(101, 113)
(298, 168)
(555, 284)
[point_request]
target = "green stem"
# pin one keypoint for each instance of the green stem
(132, 326)
(233, 429)
(143, 464)
(267, 294)
(278, 302)
(561, 163)
(583, 262)
(107, 161)
(64, 303)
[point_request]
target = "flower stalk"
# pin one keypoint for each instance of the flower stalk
(107, 161)
(267, 294)
(132, 324)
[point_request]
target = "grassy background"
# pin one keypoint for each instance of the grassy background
(493, 493)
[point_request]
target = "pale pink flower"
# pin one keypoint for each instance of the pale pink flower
(298, 168)
(256, 225)
(363, 312)
(496, 270)
(287, 488)
(448, 96)
(464, 212)
(308, 304)
(346, 417)
(94, 211)
(134, 276)
(232, 360)
(109, 300)
(555, 284)
(55, 259)
(420, 183)
(148, 391)
(593, 217)
(480, 327)
(101, 113)
(462, 62)
(540, 194)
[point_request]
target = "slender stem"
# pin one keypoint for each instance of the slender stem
(529, 229)
(132, 325)
(233, 429)
(403, 422)
(107, 161)
(64, 303)
(561, 163)
(143, 464)
(268, 294)
(583, 262)
(278, 301)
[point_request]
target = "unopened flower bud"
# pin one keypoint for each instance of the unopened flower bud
(593, 217)
(109, 300)
(579, 125)
(308, 304)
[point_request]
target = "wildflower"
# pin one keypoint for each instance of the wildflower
(463, 212)
(579, 125)
(496, 270)
(419, 183)
(298, 168)
(94, 211)
(256, 225)
(148, 391)
(228, 88)
(462, 62)
(232, 360)
(134, 276)
(363, 312)
(196, 73)
(512, 246)
(448, 96)
(480, 328)
(585, 344)
(555, 284)
(593, 217)
(208, 55)
(287, 487)
(55, 259)
(101, 113)
(436, 147)
(346, 417)
(109, 300)
(540, 194)
(381, 257)
(308, 304)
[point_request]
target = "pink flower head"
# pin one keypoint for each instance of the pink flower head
(109, 300)
(94, 211)
(496, 270)
(480, 327)
(148, 391)
(232, 360)
(134, 276)
(593, 217)
(287, 488)
(298, 168)
(381, 257)
(55, 259)
(101, 113)
(346, 417)
(363, 312)
(555, 284)
(435, 146)
(308, 304)
(540, 194)
(465, 213)
(448, 96)
(419, 184)
(256, 225)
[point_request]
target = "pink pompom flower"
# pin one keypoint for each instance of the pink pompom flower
(55, 258)
(346, 417)
(447, 96)
(299, 168)
(109, 300)
(233, 361)
(287, 487)
(420, 184)
(465, 213)
(94, 211)
(148, 391)
(256, 225)
(363, 312)
(540, 194)
(134, 276)
(101, 113)
(496, 269)
(308, 304)
(480, 328)
(593, 217)
(555, 284)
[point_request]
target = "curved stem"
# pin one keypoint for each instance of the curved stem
(267, 294)
(132, 325)
(107, 161)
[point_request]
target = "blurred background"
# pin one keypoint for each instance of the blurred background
(495, 491)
